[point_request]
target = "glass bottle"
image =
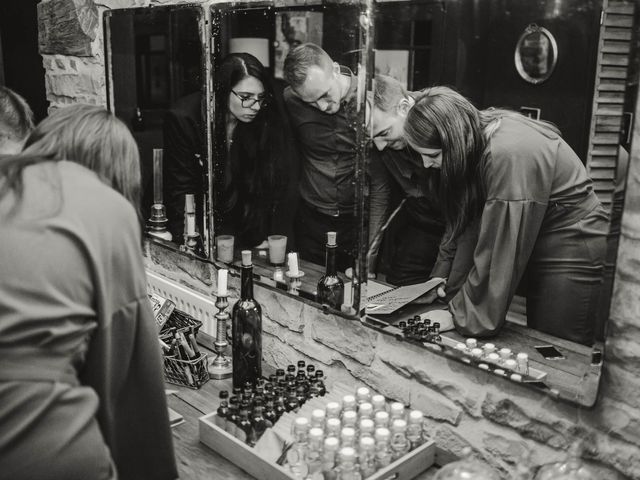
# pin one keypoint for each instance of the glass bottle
(366, 428)
(246, 329)
(379, 403)
(314, 455)
(318, 418)
(244, 432)
(399, 443)
(333, 427)
(330, 287)
(571, 468)
(414, 428)
(396, 411)
(346, 467)
(233, 416)
(381, 419)
(365, 410)
(320, 383)
(466, 468)
(258, 423)
(349, 419)
(383, 449)
(269, 411)
(367, 456)
(331, 445)
(348, 403)
(297, 454)
(333, 410)
(223, 410)
(348, 437)
(363, 394)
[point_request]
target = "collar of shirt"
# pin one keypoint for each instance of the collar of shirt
(353, 85)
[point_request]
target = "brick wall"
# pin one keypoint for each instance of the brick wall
(497, 418)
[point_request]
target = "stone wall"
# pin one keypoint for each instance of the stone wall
(497, 418)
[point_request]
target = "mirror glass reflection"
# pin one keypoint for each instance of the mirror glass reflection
(529, 239)
(285, 144)
(155, 83)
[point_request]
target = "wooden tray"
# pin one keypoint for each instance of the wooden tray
(405, 468)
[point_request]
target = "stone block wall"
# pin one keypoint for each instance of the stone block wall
(497, 418)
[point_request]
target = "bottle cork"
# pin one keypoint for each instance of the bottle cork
(246, 258)
(331, 239)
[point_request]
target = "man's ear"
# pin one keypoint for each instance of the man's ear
(403, 107)
(336, 68)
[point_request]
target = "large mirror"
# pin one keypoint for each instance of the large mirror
(155, 82)
(288, 144)
(534, 251)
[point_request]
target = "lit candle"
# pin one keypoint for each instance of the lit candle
(293, 263)
(222, 282)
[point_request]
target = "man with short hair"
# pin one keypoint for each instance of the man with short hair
(412, 238)
(321, 102)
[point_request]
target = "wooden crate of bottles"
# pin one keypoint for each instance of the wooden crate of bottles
(309, 442)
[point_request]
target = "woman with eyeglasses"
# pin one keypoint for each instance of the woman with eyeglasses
(517, 196)
(257, 180)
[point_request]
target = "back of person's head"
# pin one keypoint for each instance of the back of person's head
(236, 67)
(96, 139)
(387, 93)
(16, 121)
(300, 59)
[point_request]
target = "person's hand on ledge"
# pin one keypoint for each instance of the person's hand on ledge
(443, 317)
(434, 294)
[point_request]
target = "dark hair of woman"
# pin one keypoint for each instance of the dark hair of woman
(260, 153)
(444, 119)
(85, 134)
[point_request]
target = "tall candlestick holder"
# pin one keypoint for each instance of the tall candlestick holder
(220, 367)
(295, 281)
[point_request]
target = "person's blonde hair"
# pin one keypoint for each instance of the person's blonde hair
(16, 117)
(387, 93)
(85, 134)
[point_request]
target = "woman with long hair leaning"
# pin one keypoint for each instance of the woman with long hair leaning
(81, 387)
(520, 199)
(257, 181)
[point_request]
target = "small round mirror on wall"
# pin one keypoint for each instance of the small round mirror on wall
(536, 54)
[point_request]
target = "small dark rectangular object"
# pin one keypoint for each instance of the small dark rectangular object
(549, 352)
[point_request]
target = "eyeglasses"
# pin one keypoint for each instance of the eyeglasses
(248, 101)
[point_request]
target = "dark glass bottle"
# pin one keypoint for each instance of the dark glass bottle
(258, 422)
(330, 287)
(246, 329)
(233, 417)
(245, 430)
(270, 411)
(223, 410)
(320, 383)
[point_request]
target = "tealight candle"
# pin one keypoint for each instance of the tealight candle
(222, 282)
(293, 263)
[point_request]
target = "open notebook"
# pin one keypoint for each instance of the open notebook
(384, 299)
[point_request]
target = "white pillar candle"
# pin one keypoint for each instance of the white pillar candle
(191, 225)
(222, 282)
(293, 263)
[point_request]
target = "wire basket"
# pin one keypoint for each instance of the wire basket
(181, 322)
(188, 373)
